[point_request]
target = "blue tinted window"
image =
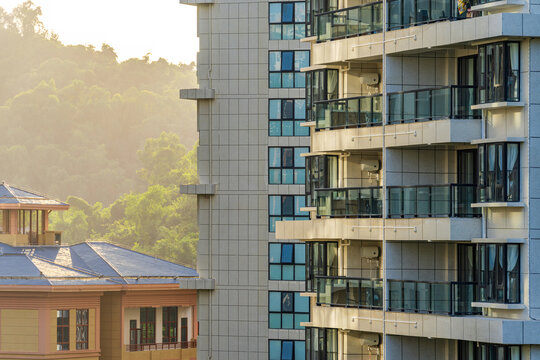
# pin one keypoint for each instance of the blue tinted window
(274, 157)
(287, 253)
(275, 253)
(287, 128)
(300, 272)
(287, 321)
(288, 109)
(301, 60)
(300, 318)
(274, 350)
(287, 350)
(275, 205)
(299, 350)
(299, 176)
(301, 303)
(300, 130)
(287, 272)
(287, 60)
(287, 206)
(275, 80)
(287, 20)
(275, 13)
(299, 12)
(275, 61)
(300, 161)
(275, 109)
(300, 253)
(300, 202)
(274, 303)
(274, 176)
(275, 272)
(274, 128)
(289, 209)
(287, 302)
(284, 67)
(300, 109)
(274, 321)
(287, 15)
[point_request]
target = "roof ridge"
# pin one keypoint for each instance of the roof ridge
(106, 261)
(65, 266)
(8, 188)
(40, 272)
(30, 191)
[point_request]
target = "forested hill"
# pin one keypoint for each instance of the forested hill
(72, 118)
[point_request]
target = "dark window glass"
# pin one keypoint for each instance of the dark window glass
(286, 310)
(321, 261)
(321, 344)
(286, 350)
(81, 331)
(287, 20)
(498, 72)
(286, 117)
(284, 68)
(498, 176)
(287, 261)
(286, 207)
(170, 324)
(286, 165)
(62, 330)
(148, 325)
(469, 350)
(498, 273)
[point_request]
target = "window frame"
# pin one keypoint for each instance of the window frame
(320, 336)
(282, 167)
(319, 266)
(294, 120)
(492, 282)
(81, 327)
(148, 328)
(294, 23)
(486, 70)
(319, 92)
(485, 188)
(62, 329)
(464, 346)
(168, 324)
(272, 218)
(295, 322)
(281, 341)
(294, 264)
(293, 70)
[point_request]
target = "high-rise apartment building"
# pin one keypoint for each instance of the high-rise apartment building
(251, 104)
(420, 204)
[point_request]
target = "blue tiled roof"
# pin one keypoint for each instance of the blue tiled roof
(89, 263)
(13, 195)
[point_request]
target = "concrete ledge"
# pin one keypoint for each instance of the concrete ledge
(498, 105)
(197, 284)
(498, 241)
(198, 189)
(310, 39)
(309, 124)
(498, 5)
(498, 204)
(196, 2)
(309, 208)
(309, 294)
(498, 306)
(197, 94)
(494, 140)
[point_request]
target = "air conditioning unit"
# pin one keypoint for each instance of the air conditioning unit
(369, 252)
(369, 165)
(369, 79)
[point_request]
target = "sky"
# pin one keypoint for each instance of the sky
(133, 28)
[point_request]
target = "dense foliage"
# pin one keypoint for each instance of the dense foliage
(107, 136)
(72, 117)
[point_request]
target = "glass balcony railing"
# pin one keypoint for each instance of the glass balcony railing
(353, 21)
(350, 292)
(451, 102)
(452, 200)
(351, 112)
(349, 202)
(448, 298)
(367, 18)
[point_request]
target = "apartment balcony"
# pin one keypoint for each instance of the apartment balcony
(472, 328)
(417, 117)
(418, 35)
(415, 213)
(445, 298)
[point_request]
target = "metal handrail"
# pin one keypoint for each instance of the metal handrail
(162, 346)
